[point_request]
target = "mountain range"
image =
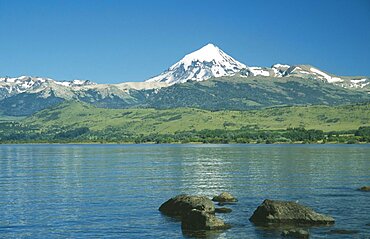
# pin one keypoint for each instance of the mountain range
(207, 78)
(210, 61)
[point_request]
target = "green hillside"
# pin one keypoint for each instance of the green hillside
(81, 122)
(148, 121)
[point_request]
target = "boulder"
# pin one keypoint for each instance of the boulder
(296, 233)
(224, 197)
(271, 211)
(201, 220)
(182, 204)
(223, 210)
(365, 189)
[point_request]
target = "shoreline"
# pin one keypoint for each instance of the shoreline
(177, 143)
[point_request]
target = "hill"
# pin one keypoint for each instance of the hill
(147, 121)
(81, 122)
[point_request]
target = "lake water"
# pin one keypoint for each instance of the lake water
(114, 191)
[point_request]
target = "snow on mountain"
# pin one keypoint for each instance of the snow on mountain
(310, 72)
(325, 76)
(260, 71)
(74, 83)
(209, 61)
(15, 85)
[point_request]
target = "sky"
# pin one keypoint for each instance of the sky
(119, 41)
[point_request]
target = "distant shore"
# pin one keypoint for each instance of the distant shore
(84, 135)
(178, 143)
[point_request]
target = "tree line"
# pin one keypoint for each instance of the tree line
(14, 132)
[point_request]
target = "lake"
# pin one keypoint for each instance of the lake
(114, 191)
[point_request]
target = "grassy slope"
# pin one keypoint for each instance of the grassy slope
(6, 118)
(147, 121)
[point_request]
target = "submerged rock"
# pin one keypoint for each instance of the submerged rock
(181, 205)
(271, 211)
(365, 189)
(296, 233)
(224, 197)
(223, 210)
(343, 231)
(201, 220)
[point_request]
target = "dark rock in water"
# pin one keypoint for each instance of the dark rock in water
(223, 210)
(224, 197)
(342, 231)
(296, 233)
(365, 189)
(196, 213)
(368, 224)
(201, 220)
(221, 204)
(182, 204)
(271, 211)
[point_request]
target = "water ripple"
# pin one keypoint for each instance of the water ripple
(114, 191)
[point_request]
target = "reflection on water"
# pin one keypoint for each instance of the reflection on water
(114, 191)
(203, 172)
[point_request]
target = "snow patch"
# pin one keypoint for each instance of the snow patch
(78, 82)
(280, 66)
(326, 76)
(258, 71)
(296, 68)
(365, 84)
(358, 81)
(63, 83)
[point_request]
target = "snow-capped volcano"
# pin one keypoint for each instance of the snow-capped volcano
(209, 61)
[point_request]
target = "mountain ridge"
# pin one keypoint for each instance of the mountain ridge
(210, 61)
(205, 63)
(207, 78)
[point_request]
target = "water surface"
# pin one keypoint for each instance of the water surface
(114, 191)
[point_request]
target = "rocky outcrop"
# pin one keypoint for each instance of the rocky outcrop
(296, 233)
(201, 220)
(196, 213)
(271, 211)
(365, 189)
(224, 197)
(181, 205)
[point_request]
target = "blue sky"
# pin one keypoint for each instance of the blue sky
(117, 41)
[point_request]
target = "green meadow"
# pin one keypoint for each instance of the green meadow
(149, 121)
